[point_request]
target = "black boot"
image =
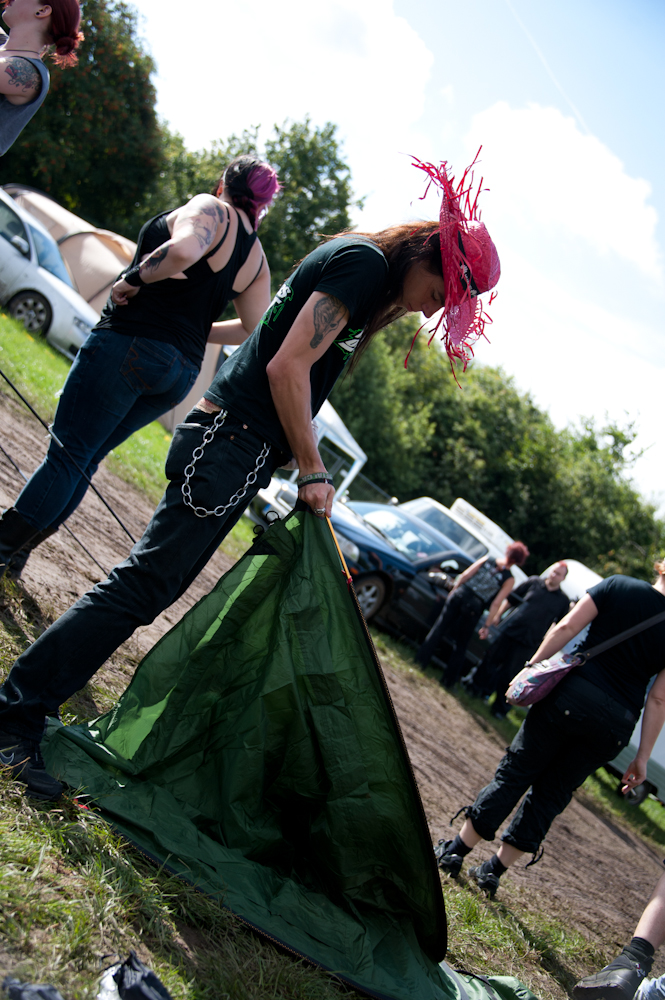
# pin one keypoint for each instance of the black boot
(19, 559)
(15, 532)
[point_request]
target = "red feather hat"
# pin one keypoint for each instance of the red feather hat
(469, 259)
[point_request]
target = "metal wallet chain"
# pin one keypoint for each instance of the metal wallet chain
(196, 455)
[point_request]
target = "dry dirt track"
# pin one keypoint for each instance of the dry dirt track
(595, 874)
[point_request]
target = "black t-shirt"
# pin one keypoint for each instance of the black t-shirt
(529, 623)
(625, 669)
(353, 271)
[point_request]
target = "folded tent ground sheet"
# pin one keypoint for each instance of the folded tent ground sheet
(257, 754)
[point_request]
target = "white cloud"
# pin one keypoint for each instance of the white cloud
(547, 176)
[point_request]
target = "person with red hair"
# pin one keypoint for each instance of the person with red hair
(485, 584)
(24, 79)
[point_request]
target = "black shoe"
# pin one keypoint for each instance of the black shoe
(485, 879)
(15, 532)
(17, 562)
(617, 981)
(446, 860)
(24, 759)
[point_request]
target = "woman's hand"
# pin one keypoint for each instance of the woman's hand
(483, 632)
(635, 774)
(122, 292)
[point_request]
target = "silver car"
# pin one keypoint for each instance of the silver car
(35, 285)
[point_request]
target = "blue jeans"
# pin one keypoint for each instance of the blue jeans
(116, 385)
(565, 737)
(174, 548)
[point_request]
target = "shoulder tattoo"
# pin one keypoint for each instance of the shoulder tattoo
(22, 74)
(327, 313)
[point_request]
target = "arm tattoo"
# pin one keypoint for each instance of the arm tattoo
(23, 74)
(327, 314)
(152, 262)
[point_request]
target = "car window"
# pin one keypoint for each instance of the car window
(49, 256)
(10, 224)
(406, 538)
(450, 528)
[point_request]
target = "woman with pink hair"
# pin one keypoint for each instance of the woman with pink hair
(145, 353)
(24, 79)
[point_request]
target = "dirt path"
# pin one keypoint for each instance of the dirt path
(595, 874)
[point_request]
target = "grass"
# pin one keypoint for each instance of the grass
(74, 896)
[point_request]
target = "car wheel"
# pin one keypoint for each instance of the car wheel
(33, 310)
(371, 593)
(637, 795)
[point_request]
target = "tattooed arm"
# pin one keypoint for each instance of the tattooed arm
(20, 81)
(194, 229)
(315, 328)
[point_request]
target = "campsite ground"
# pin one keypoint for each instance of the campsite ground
(549, 924)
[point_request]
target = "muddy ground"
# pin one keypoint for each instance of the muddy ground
(596, 874)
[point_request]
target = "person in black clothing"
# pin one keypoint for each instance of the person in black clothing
(539, 603)
(621, 979)
(485, 584)
(144, 355)
(256, 414)
(581, 724)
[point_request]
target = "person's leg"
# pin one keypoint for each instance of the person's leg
(621, 978)
(441, 628)
(116, 386)
(514, 658)
(483, 679)
(462, 631)
(526, 755)
(64, 658)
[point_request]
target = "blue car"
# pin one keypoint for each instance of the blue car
(386, 549)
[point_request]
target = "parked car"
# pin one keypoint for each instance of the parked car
(35, 285)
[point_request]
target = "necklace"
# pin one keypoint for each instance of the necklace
(34, 51)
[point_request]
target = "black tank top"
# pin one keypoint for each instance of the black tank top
(179, 311)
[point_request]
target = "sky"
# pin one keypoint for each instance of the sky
(565, 100)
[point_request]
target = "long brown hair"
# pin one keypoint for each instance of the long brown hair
(403, 246)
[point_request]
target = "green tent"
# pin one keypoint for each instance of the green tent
(257, 754)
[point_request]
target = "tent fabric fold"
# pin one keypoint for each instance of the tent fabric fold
(256, 753)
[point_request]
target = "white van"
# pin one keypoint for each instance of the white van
(465, 526)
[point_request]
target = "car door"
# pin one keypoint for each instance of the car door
(14, 253)
(417, 608)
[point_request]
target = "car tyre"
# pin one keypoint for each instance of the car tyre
(371, 593)
(33, 310)
(636, 796)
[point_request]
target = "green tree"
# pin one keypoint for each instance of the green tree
(316, 185)
(565, 493)
(96, 145)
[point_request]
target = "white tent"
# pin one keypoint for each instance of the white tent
(94, 257)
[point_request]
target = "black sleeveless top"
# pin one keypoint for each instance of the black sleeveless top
(178, 311)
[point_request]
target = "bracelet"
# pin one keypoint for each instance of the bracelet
(133, 276)
(314, 477)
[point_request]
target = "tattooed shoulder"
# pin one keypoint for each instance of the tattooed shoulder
(327, 313)
(22, 74)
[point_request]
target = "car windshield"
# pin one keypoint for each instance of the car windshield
(49, 256)
(406, 538)
(451, 529)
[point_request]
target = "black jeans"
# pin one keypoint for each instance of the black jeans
(456, 623)
(505, 658)
(173, 550)
(563, 739)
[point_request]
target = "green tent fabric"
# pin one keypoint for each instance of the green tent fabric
(256, 752)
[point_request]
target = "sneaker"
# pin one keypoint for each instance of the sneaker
(24, 759)
(485, 879)
(448, 862)
(617, 981)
